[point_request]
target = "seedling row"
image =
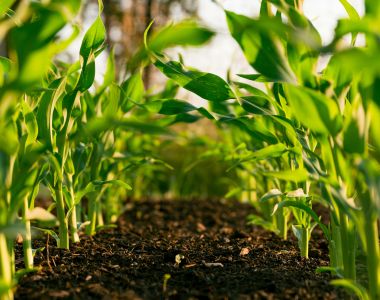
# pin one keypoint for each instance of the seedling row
(293, 133)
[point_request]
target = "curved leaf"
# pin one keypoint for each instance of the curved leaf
(206, 85)
(263, 50)
(355, 287)
(305, 208)
(314, 110)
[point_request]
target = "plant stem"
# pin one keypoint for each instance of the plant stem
(335, 245)
(78, 211)
(63, 226)
(73, 216)
(27, 240)
(5, 268)
(9, 178)
(91, 228)
(282, 225)
(305, 242)
(348, 238)
(73, 226)
(99, 215)
(373, 263)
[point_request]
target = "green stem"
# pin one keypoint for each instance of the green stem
(78, 210)
(63, 226)
(5, 269)
(91, 228)
(347, 229)
(281, 222)
(73, 226)
(12, 256)
(305, 242)
(9, 178)
(27, 240)
(335, 245)
(73, 216)
(373, 263)
(348, 240)
(99, 214)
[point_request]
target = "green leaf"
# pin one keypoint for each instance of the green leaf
(133, 90)
(68, 103)
(45, 112)
(170, 106)
(34, 60)
(30, 123)
(288, 127)
(93, 39)
(9, 142)
(297, 175)
(270, 151)
(110, 74)
(375, 130)
(257, 78)
(99, 125)
(5, 67)
(351, 11)
(5, 5)
(262, 48)
(353, 286)
(353, 137)
(101, 6)
(314, 110)
(353, 14)
(332, 270)
(96, 185)
(56, 163)
(185, 33)
(113, 181)
(185, 118)
(204, 112)
(372, 8)
(87, 76)
(206, 85)
(113, 101)
(210, 87)
(257, 128)
(306, 209)
(49, 232)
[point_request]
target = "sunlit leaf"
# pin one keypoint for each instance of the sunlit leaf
(206, 85)
(93, 39)
(263, 50)
(5, 5)
(297, 175)
(326, 118)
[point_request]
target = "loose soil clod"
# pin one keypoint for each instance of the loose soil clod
(227, 259)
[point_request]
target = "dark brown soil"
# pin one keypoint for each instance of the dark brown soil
(218, 257)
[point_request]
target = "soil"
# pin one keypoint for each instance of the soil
(181, 250)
